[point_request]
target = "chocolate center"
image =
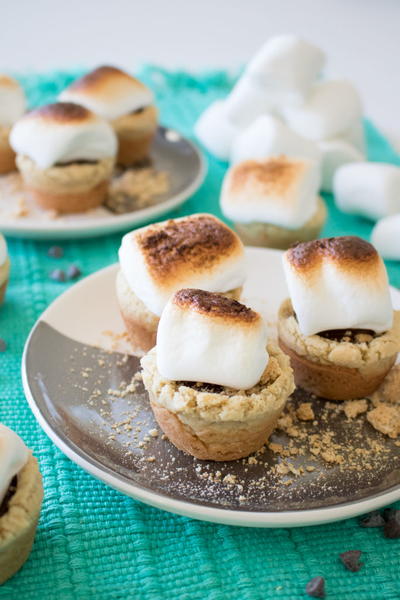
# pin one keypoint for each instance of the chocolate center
(76, 162)
(12, 488)
(202, 387)
(354, 336)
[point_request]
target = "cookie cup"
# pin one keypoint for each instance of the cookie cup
(71, 188)
(219, 425)
(337, 370)
(272, 236)
(141, 324)
(4, 277)
(135, 133)
(7, 154)
(18, 524)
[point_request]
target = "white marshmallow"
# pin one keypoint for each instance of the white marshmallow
(338, 283)
(385, 237)
(196, 251)
(63, 133)
(286, 66)
(13, 457)
(215, 130)
(12, 101)
(335, 153)
(246, 102)
(225, 346)
(355, 135)
(329, 111)
(108, 92)
(368, 189)
(279, 191)
(266, 137)
(3, 250)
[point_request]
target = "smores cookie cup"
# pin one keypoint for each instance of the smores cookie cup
(157, 260)
(12, 107)
(125, 102)
(338, 327)
(21, 494)
(66, 155)
(216, 387)
(274, 202)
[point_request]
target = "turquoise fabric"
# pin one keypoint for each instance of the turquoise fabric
(94, 543)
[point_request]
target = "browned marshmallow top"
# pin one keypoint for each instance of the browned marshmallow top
(272, 176)
(214, 305)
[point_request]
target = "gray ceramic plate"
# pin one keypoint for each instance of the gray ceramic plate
(75, 373)
(170, 152)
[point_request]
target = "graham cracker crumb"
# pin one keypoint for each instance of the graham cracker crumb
(386, 419)
(353, 408)
(305, 412)
(389, 390)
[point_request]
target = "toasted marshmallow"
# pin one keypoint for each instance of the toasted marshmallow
(216, 131)
(368, 189)
(108, 92)
(338, 283)
(13, 457)
(63, 132)
(246, 102)
(286, 66)
(279, 191)
(3, 250)
(207, 338)
(198, 250)
(385, 237)
(335, 153)
(12, 101)
(267, 136)
(329, 111)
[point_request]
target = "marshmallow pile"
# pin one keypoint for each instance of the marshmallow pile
(13, 457)
(207, 338)
(338, 283)
(12, 101)
(279, 106)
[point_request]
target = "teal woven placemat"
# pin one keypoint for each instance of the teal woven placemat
(94, 543)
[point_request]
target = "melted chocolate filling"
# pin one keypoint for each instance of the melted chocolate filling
(138, 111)
(9, 494)
(346, 335)
(76, 162)
(202, 387)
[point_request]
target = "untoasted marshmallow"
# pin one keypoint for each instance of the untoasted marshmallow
(267, 136)
(286, 66)
(3, 250)
(208, 338)
(246, 102)
(355, 135)
(329, 111)
(108, 92)
(338, 283)
(368, 189)
(63, 132)
(198, 251)
(279, 191)
(216, 131)
(12, 101)
(385, 237)
(13, 457)
(335, 153)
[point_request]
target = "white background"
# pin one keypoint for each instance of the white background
(360, 37)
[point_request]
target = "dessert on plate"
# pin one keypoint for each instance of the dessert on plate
(157, 260)
(21, 494)
(4, 268)
(274, 202)
(125, 102)
(66, 155)
(12, 107)
(338, 327)
(216, 386)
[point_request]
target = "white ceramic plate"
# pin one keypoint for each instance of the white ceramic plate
(170, 152)
(68, 370)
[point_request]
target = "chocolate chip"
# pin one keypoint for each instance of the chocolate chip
(372, 519)
(3, 345)
(55, 252)
(316, 587)
(57, 275)
(392, 525)
(351, 560)
(73, 272)
(388, 513)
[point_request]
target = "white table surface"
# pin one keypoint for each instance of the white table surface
(360, 37)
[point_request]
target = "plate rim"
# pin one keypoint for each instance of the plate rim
(81, 230)
(292, 518)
